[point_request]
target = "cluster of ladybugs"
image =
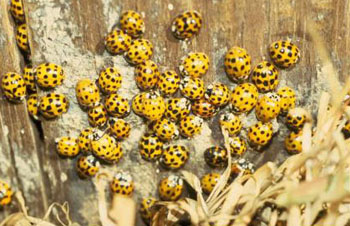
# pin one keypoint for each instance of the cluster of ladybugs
(168, 118)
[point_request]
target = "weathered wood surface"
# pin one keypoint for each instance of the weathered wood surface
(71, 33)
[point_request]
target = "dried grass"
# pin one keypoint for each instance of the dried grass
(307, 189)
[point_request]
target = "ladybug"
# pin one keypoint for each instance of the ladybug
(192, 88)
(242, 166)
(22, 38)
(284, 54)
(346, 130)
(174, 156)
(177, 108)
(117, 106)
(296, 118)
(33, 105)
(231, 123)
(217, 94)
(49, 75)
(190, 126)
(109, 80)
(137, 103)
(117, 41)
(287, 98)
(237, 64)
(187, 24)
(216, 156)
(119, 128)
(84, 139)
(268, 107)
(29, 78)
(87, 166)
(260, 133)
(67, 146)
(237, 146)
(17, 11)
(165, 129)
(139, 51)
(208, 182)
(106, 147)
(132, 23)
(153, 106)
(6, 194)
(13, 87)
(204, 109)
(168, 83)
(244, 97)
(146, 209)
(294, 142)
(122, 184)
(170, 188)
(97, 116)
(146, 75)
(151, 147)
(53, 105)
(87, 93)
(265, 77)
(194, 65)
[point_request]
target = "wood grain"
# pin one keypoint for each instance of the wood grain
(71, 33)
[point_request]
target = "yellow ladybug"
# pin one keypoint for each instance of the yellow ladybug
(33, 106)
(284, 53)
(137, 103)
(242, 166)
(6, 194)
(237, 146)
(146, 74)
(122, 184)
(190, 126)
(294, 142)
(67, 146)
(49, 75)
(237, 64)
(13, 87)
(192, 88)
(153, 106)
(117, 41)
(265, 77)
(17, 11)
(165, 129)
(244, 98)
(168, 83)
(151, 147)
(296, 118)
(106, 147)
(209, 181)
(346, 130)
(194, 64)
(132, 23)
(170, 188)
(187, 24)
(119, 128)
(29, 78)
(216, 156)
(260, 133)
(84, 139)
(87, 93)
(174, 156)
(231, 123)
(268, 107)
(204, 109)
(177, 108)
(117, 105)
(146, 209)
(22, 38)
(87, 166)
(97, 116)
(217, 94)
(109, 80)
(287, 98)
(53, 105)
(139, 51)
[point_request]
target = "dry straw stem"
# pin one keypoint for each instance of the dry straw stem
(23, 219)
(309, 188)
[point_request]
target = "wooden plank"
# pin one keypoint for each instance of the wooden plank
(19, 140)
(71, 34)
